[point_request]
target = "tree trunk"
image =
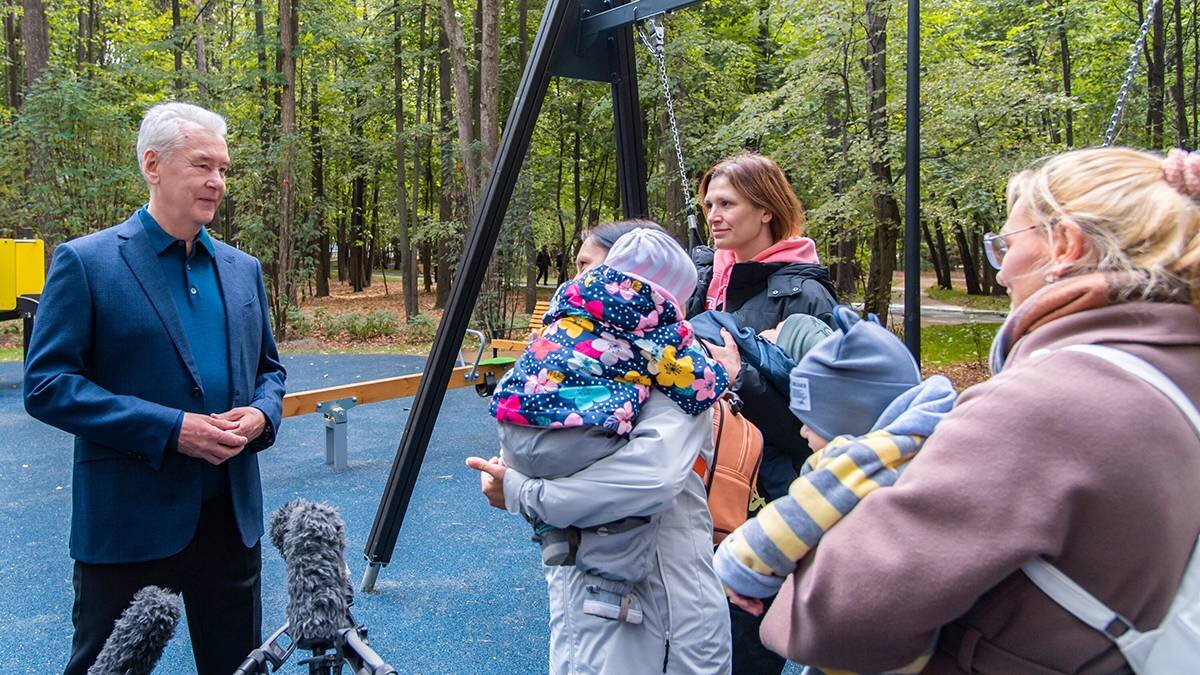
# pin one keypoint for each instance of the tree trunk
(1064, 52)
(674, 219)
(844, 267)
(427, 266)
(1155, 77)
(359, 266)
(887, 212)
(95, 50)
(558, 189)
(934, 256)
(285, 289)
(201, 56)
(969, 262)
(489, 91)
(462, 100)
(943, 255)
(432, 190)
(576, 162)
(343, 247)
(81, 20)
(409, 281)
(409, 271)
(358, 249)
(531, 273)
(445, 195)
(264, 83)
(177, 47)
(35, 35)
(1182, 137)
(1195, 72)
(375, 242)
(318, 186)
(12, 52)
(764, 48)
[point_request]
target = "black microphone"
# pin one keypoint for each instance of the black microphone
(140, 635)
(311, 537)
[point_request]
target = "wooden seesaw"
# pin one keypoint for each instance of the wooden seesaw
(334, 403)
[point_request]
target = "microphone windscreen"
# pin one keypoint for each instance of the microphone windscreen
(278, 525)
(319, 589)
(140, 635)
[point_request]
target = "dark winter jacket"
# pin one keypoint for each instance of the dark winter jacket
(761, 295)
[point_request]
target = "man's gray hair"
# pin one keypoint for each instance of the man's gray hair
(163, 126)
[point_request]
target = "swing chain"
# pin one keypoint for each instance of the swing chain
(1119, 110)
(658, 51)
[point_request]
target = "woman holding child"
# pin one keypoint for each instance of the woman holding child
(761, 270)
(601, 421)
(1061, 456)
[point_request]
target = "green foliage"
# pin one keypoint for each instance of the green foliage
(420, 328)
(373, 324)
(957, 343)
(782, 76)
(69, 167)
(957, 296)
(359, 326)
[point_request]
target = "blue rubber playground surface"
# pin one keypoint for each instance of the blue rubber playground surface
(463, 593)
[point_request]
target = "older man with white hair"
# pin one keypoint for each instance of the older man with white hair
(153, 348)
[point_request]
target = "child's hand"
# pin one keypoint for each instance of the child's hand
(771, 334)
(491, 479)
(752, 606)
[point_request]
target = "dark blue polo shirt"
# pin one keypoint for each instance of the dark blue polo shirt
(192, 282)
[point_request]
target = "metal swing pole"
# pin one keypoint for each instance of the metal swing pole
(565, 45)
(481, 241)
(912, 186)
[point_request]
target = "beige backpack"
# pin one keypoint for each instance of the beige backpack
(737, 454)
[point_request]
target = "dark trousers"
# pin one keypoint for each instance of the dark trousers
(217, 576)
(543, 274)
(750, 657)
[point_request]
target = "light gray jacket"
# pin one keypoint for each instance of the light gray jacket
(686, 623)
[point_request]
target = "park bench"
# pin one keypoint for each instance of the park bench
(517, 346)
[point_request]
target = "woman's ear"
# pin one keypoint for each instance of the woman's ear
(1069, 245)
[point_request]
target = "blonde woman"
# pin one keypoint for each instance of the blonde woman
(1060, 455)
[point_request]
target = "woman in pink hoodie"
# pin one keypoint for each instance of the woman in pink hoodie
(762, 270)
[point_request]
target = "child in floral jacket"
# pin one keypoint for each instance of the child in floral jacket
(611, 334)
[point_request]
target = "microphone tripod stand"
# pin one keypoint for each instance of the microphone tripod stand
(348, 647)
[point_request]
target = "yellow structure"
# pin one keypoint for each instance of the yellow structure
(22, 270)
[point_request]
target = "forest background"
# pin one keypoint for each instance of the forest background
(361, 131)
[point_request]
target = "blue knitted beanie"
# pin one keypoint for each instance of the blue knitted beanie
(845, 382)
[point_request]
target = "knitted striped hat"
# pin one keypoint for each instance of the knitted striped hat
(654, 257)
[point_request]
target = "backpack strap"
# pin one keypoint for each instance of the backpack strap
(1147, 372)
(1058, 586)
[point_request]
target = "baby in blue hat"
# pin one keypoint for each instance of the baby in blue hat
(866, 413)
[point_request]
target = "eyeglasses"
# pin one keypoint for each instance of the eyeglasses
(995, 245)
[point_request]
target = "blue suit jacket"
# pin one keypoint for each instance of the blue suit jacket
(108, 362)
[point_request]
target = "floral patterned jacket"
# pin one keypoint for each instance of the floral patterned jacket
(607, 339)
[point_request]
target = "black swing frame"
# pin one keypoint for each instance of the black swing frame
(571, 35)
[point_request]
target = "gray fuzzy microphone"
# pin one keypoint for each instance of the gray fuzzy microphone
(311, 537)
(140, 635)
